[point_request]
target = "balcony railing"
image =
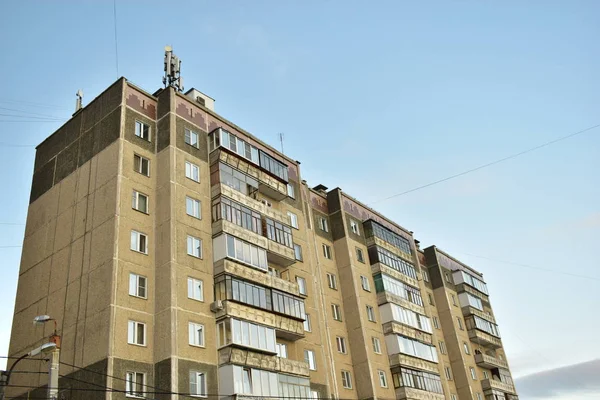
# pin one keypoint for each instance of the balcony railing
(408, 393)
(404, 330)
(260, 360)
(469, 310)
(413, 362)
(484, 339)
(382, 268)
(488, 384)
(489, 362)
(229, 267)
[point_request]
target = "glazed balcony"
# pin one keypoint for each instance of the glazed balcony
(489, 384)
(469, 310)
(404, 330)
(489, 362)
(408, 393)
(265, 361)
(279, 254)
(382, 268)
(484, 339)
(413, 362)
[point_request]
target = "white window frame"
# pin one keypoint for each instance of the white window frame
(371, 314)
(479, 396)
(131, 381)
(341, 345)
(189, 135)
(190, 169)
(306, 324)
(140, 162)
(425, 275)
(291, 192)
(281, 349)
(486, 375)
(135, 285)
(293, 220)
(196, 334)
(309, 357)
(466, 348)
(442, 346)
(376, 345)
(473, 373)
(297, 252)
(323, 224)
(382, 378)
(193, 285)
(448, 373)
(453, 397)
(133, 330)
(460, 324)
(364, 282)
(195, 206)
(360, 255)
(302, 289)
(135, 201)
(136, 242)
(199, 377)
(331, 281)
(346, 379)
(194, 246)
(354, 227)
(139, 132)
(327, 251)
(453, 300)
(436, 322)
(336, 312)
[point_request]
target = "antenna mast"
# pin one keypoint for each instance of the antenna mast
(172, 70)
(79, 101)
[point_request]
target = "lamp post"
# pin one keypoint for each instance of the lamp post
(6, 375)
(54, 357)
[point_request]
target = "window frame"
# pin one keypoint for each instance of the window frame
(135, 202)
(298, 252)
(310, 358)
(340, 342)
(193, 240)
(302, 288)
(360, 256)
(365, 283)
(425, 275)
(327, 251)
(323, 224)
(346, 379)
(293, 220)
(201, 339)
(197, 374)
(371, 313)
(376, 348)
(131, 383)
(331, 281)
(336, 312)
(442, 347)
(354, 228)
(192, 167)
(138, 242)
(382, 378)
(466, 348)
(141, 164)
(448, 373)
(291, 191)
(436, 322)
(142, 124)
(473, 373)
(137, 278)
(196, 206)
(192, 283)
(136, 326)
(307, 323)
(460, 324)
(188, 133)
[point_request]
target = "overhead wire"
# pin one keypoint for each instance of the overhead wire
(29, 103)
(31, 113)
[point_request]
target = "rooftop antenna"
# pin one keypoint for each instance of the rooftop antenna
(281, 135)
(79, 101)
(172, 70)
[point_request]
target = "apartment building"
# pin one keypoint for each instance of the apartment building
(183, 257)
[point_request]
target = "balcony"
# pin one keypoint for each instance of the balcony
(400, 329)
(413, 362)
(265, 361)
(468, 310)
(408, 393)
(489, 384)
(280, 254)
(375, 241)
(230, 267)
(239, 232)
(484, 339)
(379, 267)
(285, 327)
(463, 287)
(489, 362)
(387, 297)
(270, 212)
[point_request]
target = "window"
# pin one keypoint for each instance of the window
(360, 256)
(460, 324)
(326, 251)
(425, 275)
(379, 254)
(137, 285)
(195, 289)
(139, 242)
(354, 227)
(417, 349)
(364, 282)
(372, 228)
(376, 345)
(447, 275)
(309, 357)
(341, 344)
(224, 208)
(293, 219)
(474, 282)
(301, 285)
(221, 137)
(139, 202)
(479, 396)
(134, 384)
(198, 384)
(191, 138)
(436, 322)
(442, 347)
(370, 313)
(314, 394)
(279, 233)
(142, 130)
(194, 246)
(323, 225)
(307, 326)
(394, 286)
(475, 322)
(298, 252)
(430, 297)
(141, 165)
(237, 180)
(382, 378)
(331, 281)
(246, 380)
(291, 192)
(453, 397)
(246, 334)
(473, 373)
(486, 375)
(408, 317)
(335, 311)
(346, 379)
(466, 347)
(192, 207)
(281, 350)
(448, 372)
(453, 300)
(243, 251)
(136, 333)
(404, 377)
(275, 167)
(192, 171)
(196, 334)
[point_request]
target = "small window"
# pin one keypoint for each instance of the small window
(192, 138)
(301, 285)
(141, 165)
(291, 191)
(281, 349)
(454, 300)
(370, 313)
(307, 326)
(442, 347)
(479, 396)
(354, 227)
(273, 272)
(192, 171)
(135, 383)
(448, 372)
(192, 207)
(139, 242)
(341, 344)
(364, 282)
(447, 275)
(309, 357)
(332, 281)
(196, 334)
(436, 322)
(453, 397)
(195, 289)
(360, 255)
(198, 384)
(486, 375)
(314, 395)
(297, 252)
(194, 246)
(137, 285)
(473, 373)
(326, 251)
(466, 347)
(142, 130)
(346, 379)
(425, 275)
(430, 297)
(376, 345)
(382, 378)
(139, 202)
(336, 312)
(136, 333)
(323, 224)
(460, 324)
(293, 219)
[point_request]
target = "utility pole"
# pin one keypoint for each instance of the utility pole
(53, 368)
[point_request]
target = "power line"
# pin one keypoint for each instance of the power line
(27, 120)
(116, 40)
(15, 144)
(33, 117)
(29, 112)
(488, 164)
(11, 223)
(33, 104)
(8, 247)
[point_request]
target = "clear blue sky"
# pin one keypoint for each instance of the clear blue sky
(375, 100)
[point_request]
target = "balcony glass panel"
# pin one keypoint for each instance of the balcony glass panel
(405, 377)
(221, 137)
(411, 318)
(417, 349)
(475, 322)
(275, 167)
(379, 254)
(386, 283)
(372, 228)
(474, 282)
(278, 232)
(229, 210)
